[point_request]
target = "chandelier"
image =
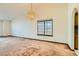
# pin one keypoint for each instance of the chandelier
(31, 14)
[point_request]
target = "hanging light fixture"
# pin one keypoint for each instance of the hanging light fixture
(31, 14)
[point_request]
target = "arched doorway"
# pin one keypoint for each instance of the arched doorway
(76, 30)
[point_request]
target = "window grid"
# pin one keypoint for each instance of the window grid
(47, 27)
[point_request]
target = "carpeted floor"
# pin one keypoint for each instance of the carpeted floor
(12, 46)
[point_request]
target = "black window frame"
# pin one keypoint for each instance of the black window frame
(44, 27)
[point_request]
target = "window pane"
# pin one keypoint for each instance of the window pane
(41, 27)
(48, 27)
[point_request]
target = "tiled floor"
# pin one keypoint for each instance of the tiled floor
(77, 52)
(12, 46)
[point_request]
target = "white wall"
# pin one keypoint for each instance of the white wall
(1, 27)
(71, 8)
(21, 26)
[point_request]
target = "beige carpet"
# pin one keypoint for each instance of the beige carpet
(12, 46)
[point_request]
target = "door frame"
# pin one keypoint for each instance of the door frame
(74, 11)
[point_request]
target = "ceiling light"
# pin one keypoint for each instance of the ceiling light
(31, 14)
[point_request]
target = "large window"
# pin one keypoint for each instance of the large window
(45, 27)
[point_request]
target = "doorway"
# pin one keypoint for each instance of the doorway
(76, 30)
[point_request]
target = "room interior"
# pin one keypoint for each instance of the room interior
(37, 28)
